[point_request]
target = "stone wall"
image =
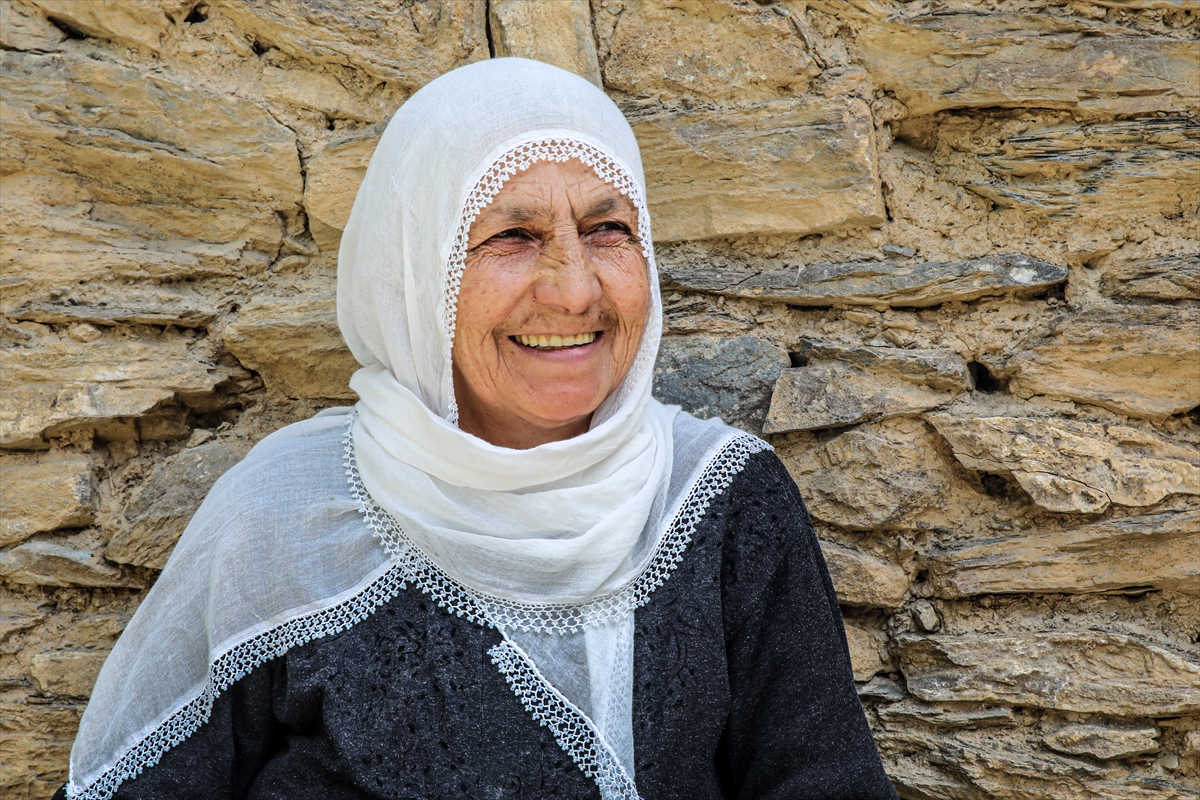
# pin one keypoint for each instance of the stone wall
(942, 254)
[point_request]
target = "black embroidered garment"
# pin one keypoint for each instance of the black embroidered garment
(742, 690)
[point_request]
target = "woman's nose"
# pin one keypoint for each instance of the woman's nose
(569, 279)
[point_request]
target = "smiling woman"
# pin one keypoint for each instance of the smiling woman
(552, 307)
(508, 571)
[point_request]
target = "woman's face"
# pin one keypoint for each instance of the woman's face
(552, 307)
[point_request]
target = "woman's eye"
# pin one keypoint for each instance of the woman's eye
(607, 232)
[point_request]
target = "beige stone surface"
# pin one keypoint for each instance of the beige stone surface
(1084, 671)
(697, 48)
(897, 475)
(33, 748)
(1075, 467)
(1153, 550)
(333, 176)
(1103, 741)
(1162, 278)
(159, 511)
(296, 345)
(58, 383)
(43, 493)
(66, 673)
(135, 23)
(47, 563)
(1141, 361)
(558, 33)
(409, 43)
(877, 283)
(862, 579)
(974, 60)
(865, 657)
(809, 167)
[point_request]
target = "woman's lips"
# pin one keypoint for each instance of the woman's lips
(552, 341)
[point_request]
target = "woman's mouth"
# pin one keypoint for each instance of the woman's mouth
(550, 341)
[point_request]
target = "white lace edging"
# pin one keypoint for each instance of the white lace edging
(559, 618)
(412, 566)
(233, 665)
(572, 729)
(518, 159)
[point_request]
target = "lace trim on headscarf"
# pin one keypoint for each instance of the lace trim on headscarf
(235, 664)
(576, 736)
(518, 159)
(572, 729)
(554, 617)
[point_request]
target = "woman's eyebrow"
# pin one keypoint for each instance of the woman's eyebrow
(514, 214)
(601, 208)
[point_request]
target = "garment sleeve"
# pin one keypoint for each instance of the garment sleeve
(796, 728)
(222, 758)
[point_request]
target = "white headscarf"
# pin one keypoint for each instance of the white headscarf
(556, 525)
(555, 546)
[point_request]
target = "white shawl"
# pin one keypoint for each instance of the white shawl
(554, 546)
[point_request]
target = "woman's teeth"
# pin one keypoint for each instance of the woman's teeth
(554, 342)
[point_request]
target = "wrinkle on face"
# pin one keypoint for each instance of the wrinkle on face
(555, 253)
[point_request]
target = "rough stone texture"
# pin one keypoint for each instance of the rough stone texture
(1144, 362)
(862, 579)
(1082, 671)
(809, 167)
(877, 283)
(1132, 553)
(295, 344)
(1104, 742)
(968, 228)
(845, 386)
(158, 513)
(1163, 278)
(43, 493)
(557, 33)
(1075, 467)
(712, 376)
(67, 673)
(971, 60)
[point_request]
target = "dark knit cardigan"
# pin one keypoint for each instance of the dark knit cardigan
(742, 689)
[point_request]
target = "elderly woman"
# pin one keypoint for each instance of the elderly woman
(508, 571)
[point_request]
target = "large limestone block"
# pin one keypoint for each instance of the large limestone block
(1091, 672)
(1158, 551)
(701, 48)
(862, 579)
(295, 344)
(45, 563)
(1105, 742)
(845, 386)
(66, 673)
(1130, 168)
(392, 40)
(135, 23)
(25, 28)
(56, 384)
(809, 166)
(879, 474)
(981, 60)
(1075, 467)
(715, 376)
(138, 137)
(558, 33)
(877, 283)
(1163, 278)
(1142, 361)
(35, 744)
(162, 508)
(43, 493)
(333, 176)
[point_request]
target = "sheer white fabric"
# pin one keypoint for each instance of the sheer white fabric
(327, 519)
